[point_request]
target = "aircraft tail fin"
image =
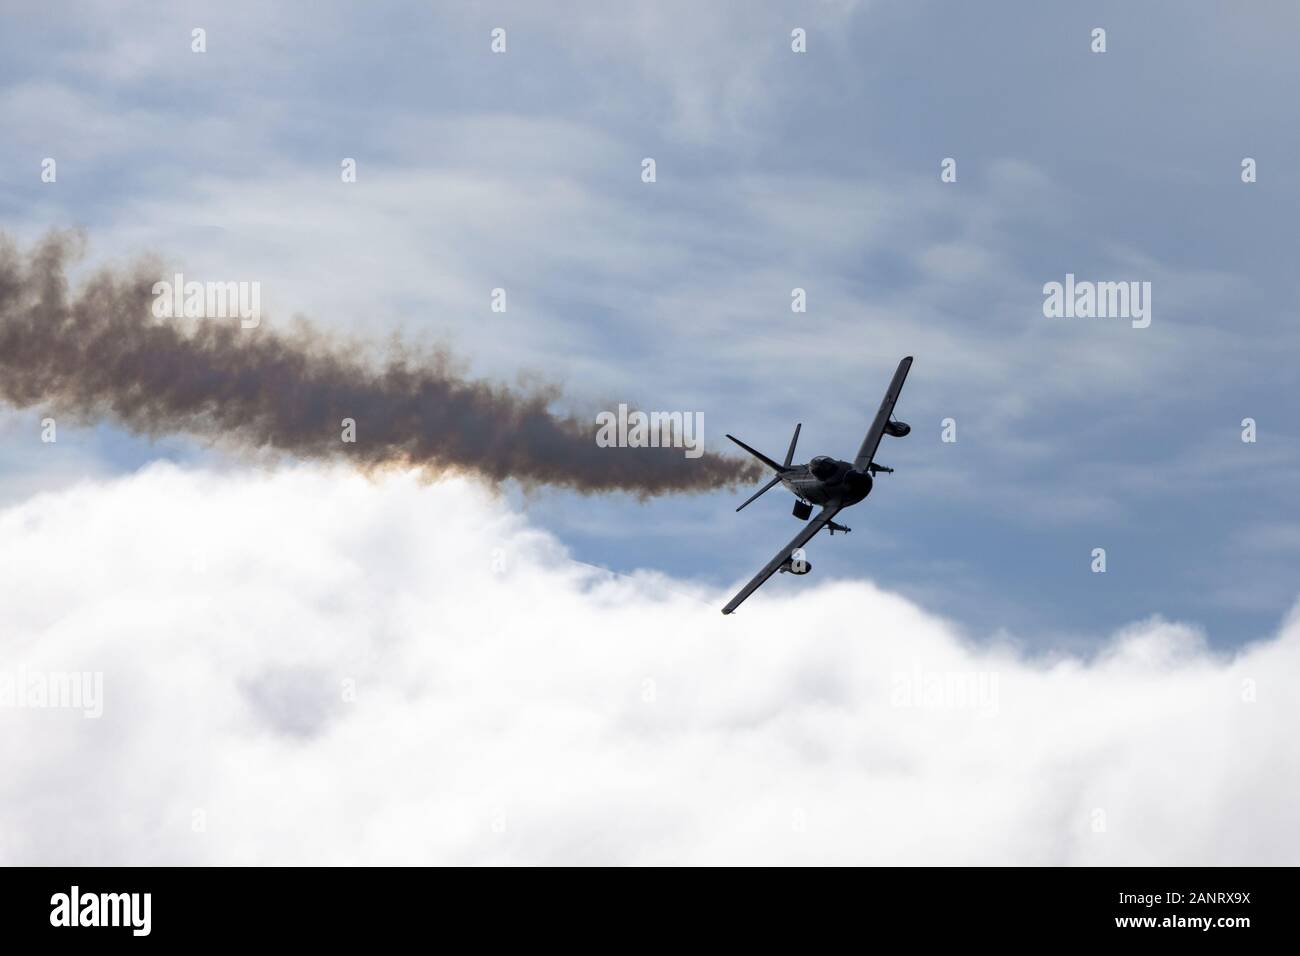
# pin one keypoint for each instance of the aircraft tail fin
(789, 455)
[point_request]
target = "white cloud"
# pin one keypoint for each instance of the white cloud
(547, 713)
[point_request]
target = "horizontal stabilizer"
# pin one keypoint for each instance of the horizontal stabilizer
(766, 487)
(757, 454)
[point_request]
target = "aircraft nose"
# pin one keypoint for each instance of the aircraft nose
(859, 482)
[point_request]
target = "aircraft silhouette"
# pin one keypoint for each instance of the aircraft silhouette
(825, 481)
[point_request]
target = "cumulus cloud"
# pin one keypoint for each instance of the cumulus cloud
(310, 667)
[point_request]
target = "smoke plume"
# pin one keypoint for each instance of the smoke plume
(101, 354)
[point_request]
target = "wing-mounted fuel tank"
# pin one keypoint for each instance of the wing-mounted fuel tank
(796, 563)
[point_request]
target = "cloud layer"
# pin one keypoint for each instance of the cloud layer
(310, 667)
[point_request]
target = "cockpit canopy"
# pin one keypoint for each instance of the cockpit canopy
(823, 467)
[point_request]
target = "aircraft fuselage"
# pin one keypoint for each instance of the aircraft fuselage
(825, 481)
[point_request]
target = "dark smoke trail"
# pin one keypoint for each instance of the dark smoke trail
(101, 354)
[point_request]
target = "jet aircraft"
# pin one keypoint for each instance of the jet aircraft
(827, 482)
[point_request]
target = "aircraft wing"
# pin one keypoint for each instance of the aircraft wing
(869, 444)
(822, 519)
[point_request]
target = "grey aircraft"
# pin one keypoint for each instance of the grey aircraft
(824, 481)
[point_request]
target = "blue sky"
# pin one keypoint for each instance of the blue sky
(775, 170)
